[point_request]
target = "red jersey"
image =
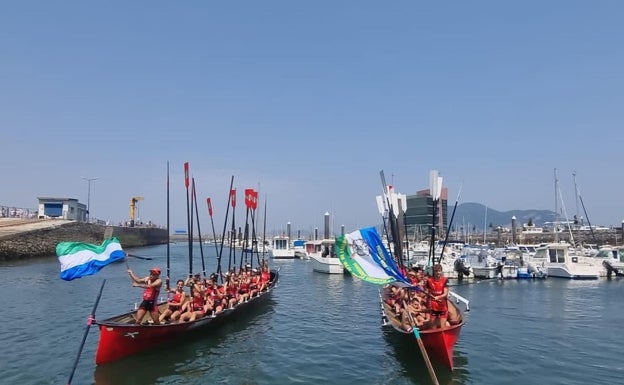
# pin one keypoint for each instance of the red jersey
(198, 303)
(436, 288)
(151, 293)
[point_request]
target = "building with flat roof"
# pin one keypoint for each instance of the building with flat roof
(61, 208)
(419, 213)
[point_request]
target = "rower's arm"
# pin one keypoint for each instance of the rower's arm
(134, 278)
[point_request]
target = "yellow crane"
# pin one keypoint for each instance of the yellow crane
(134, 206)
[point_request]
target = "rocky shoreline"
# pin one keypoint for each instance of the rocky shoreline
(28, 242)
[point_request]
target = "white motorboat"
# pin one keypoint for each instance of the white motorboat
(299, 247)
(612, 259)
(323, 256)
(560, 262)
(281, 249)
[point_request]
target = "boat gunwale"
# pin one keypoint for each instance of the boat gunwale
(116, 322)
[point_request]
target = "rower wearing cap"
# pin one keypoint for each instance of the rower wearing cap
(151, 285)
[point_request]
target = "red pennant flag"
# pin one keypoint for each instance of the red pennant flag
(254, 200)
(233, 197)
(186, 174)
(248, 198)
(209, 202)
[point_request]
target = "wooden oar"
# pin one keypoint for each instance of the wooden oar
(139, 257)
(84, 337)
(423, 351)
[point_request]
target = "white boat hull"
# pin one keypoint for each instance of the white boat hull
(282, 254)
(573, 272)
(327, 265)
(484, 272)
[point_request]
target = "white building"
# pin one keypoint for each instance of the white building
(62, 208)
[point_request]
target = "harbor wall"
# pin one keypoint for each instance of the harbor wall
(611, 237)
(26, 242)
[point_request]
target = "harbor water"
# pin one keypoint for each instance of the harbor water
(315, 329)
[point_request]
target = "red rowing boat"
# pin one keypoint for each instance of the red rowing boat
(439, 342)
(120, 337)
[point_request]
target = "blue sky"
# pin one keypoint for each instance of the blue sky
(308, 101)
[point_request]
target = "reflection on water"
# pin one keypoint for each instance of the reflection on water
(407, 353)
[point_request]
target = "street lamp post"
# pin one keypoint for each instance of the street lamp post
(89, 180)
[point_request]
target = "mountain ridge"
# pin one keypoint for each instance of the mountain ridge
(472, 215)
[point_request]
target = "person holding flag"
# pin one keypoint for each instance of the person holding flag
(151, 285)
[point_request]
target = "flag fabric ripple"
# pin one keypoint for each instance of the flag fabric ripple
(364, 255)
(81, 259)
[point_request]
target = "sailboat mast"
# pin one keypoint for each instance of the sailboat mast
(555, 225)
(576, 196)
(485, 226)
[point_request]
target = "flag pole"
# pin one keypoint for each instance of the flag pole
(90, 321)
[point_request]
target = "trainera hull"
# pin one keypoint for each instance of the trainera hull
(439, 342)
(119, 338)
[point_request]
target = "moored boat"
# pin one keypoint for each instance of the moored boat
(562, 262)
(325, 260)
(281, 248)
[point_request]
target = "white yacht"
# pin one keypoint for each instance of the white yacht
(560, 262)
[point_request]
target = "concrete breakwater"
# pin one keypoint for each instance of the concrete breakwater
(39, 239)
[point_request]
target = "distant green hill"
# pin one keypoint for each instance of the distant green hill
(472, 216)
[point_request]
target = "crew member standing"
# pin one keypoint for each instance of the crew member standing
(151, 285)
(438, 293)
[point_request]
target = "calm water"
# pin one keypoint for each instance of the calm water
(315, 329)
